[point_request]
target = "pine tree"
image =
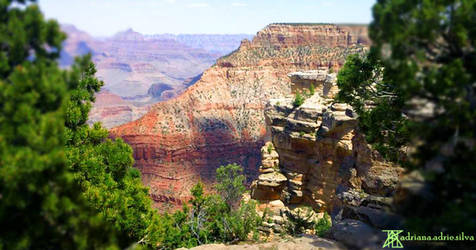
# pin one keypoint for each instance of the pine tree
(416, 90)
(230, 185)
(103, 167)
(41, 206)
(63, 184)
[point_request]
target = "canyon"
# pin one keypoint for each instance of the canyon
(140, 70)
(220, 119)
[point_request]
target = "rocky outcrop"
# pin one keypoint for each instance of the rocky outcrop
(319, 158)
(321, 152)
(220, 119)
(319, 79)
(357, 234)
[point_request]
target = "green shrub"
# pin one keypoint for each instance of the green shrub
(303, 219)
(209, 218)
(312, 89)
(270, 148)
(299, 221)
(230, 185)
(323, 225)
(298, 99)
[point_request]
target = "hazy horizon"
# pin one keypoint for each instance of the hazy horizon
(171, 34)
(185, 34)
(105, 18)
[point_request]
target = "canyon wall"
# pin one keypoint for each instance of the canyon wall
(220, 120)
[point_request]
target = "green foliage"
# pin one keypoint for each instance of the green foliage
(229, 185)
(270, 148)
(299, 221)
(243, 222)
(210, 219)
(312, 89)
(301, 133)
(361, 85)
(298, 99)
(301, 95)
(41, 206)
(323, 225)
(420, 79)
(304, 218)
(103, 167)
(63, 184)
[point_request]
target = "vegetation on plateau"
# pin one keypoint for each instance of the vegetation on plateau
(304, 219)
(298, 99)
(301, 95)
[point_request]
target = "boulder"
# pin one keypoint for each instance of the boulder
(356, 234)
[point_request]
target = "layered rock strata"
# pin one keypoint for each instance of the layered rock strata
(318, 157)
(219, 120)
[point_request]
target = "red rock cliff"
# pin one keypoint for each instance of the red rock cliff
(220, 119)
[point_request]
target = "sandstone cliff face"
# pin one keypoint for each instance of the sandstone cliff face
(318, 157)
(220, 119)
(326, 35)
(320, 151)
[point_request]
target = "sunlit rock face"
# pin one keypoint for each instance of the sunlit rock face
(220, 119)
(317, 157)
(320, 149)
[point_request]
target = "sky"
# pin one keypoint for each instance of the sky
(107, 17)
